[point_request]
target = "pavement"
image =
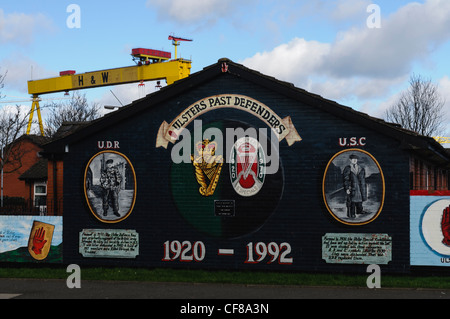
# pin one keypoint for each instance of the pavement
(58, 289)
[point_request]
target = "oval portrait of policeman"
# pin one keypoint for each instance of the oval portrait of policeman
(353, 187)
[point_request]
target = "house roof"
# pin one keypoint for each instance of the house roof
(38, 140)
(424, 146)
(36, 172)
(68, 128)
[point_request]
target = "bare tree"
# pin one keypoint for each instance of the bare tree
(77, 109)
(13, 123)
(12, 126)
(420, 108)
(2, 85)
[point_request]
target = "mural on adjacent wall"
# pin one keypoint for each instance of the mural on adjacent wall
(430, 230)
(110, 186)
(40, 240)
(31, 238)
(435, 226)
(353, 187)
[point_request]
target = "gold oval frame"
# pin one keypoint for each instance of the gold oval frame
(134, 193)
(382, 181)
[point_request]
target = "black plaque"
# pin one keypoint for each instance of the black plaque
(224, 208)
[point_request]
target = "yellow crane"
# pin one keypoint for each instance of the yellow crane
(442, 139)
(176, 42)
(151, 65)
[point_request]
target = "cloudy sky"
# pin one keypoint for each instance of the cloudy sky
(359, 53)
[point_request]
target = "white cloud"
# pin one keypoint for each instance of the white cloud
(196, 13)
(349, 9)
(361, 62)
(20, 69)
(293, 61)
(355, 87)
(406, 36)
(20, 28)
(187, 11)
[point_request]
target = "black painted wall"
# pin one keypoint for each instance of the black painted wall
(289, 208)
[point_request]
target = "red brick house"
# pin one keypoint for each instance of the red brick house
(429, 175)
(55, 166)
(33, 184)
(25, 174)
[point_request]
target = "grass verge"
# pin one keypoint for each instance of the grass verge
(229, 277)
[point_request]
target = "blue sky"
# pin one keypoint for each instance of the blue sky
(323, 46)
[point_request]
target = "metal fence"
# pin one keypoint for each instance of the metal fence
(22, 207)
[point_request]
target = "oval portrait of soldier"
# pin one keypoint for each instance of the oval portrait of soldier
(110, 186)
(353, 187)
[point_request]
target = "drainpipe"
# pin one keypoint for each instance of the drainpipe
(55, 187)
(1, 195)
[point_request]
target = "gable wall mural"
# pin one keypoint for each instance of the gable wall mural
(201, 198)
(233, 175)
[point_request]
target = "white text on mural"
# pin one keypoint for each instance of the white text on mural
(352, 141)
(108, 144)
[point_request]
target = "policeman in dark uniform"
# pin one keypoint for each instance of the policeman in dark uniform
(355, 187)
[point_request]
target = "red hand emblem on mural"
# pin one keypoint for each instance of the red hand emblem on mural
(39, 241)
(445, 225)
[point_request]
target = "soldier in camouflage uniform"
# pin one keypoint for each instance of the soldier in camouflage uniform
(110, 181)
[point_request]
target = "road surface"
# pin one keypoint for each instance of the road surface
(58, 289)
